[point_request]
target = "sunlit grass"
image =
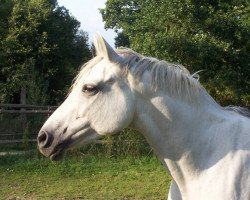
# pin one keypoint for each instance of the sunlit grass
(85, 177)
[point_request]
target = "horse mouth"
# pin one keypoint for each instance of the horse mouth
(57, 155)
(59, 151)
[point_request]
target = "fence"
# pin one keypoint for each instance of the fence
(18, 123)
(26, 109)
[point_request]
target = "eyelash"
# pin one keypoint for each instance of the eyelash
(90, 89)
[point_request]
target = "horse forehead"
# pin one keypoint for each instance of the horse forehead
(102, 71)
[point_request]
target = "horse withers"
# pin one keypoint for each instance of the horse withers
(205, 147)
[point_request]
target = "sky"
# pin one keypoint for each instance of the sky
(86, 12)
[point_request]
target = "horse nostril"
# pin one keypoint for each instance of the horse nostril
(44, 139)
(65, 130)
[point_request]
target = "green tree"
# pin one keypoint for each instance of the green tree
(22, 44)
(207, 34)
(41, 49)
(5, 11)
(122, 40)
(71, 50)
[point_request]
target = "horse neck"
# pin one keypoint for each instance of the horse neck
(174, 128)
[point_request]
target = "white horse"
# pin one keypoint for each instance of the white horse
(205, 147)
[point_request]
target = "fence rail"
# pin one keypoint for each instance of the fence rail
(26, 106)
(16, 141)
(26, 109)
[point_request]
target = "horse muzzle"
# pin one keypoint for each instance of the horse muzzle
(50, 146)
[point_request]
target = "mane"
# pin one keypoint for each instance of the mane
(173, 77)
(240, 110)
(167, 76)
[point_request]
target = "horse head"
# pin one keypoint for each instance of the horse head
(100, 103)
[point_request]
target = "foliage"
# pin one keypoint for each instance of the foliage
(40, 48)
(122, 40)
(209, 35)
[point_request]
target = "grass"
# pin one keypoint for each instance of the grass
(83, 177)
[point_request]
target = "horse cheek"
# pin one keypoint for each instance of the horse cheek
(113, 115)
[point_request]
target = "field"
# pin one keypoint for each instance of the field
(82, 177)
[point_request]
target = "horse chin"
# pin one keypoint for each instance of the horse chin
(57, 156)
(59, 151)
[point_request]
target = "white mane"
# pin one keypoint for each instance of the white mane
(174, 78)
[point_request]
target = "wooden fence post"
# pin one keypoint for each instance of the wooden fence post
(23, 102)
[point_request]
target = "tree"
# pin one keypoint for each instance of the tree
(209, 35)
(5, 10)
(40, 50)
(71, 49)
(22, 44)
(122, 40)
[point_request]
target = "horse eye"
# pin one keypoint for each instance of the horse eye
(90, 89)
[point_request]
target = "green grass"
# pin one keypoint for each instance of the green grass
(83, 177)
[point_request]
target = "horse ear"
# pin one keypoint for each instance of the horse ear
(104, 50)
